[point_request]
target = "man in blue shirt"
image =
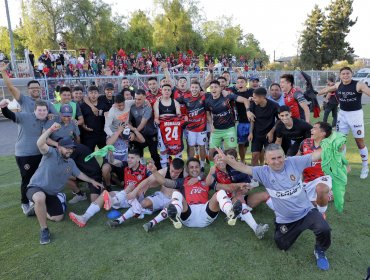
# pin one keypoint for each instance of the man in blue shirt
(293, 210)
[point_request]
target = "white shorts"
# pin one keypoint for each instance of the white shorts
(310, 187)
(159, 200)
(123, 202)
(198, 217)
(197, 138)
(353, 120)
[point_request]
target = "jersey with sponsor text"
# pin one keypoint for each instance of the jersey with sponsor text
(196, 112)
(134, 177)
(194, 194)
(222, 110)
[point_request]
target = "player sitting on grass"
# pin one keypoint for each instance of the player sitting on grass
(229, 179)
(158, 201)
(190, 203)
(133, 173)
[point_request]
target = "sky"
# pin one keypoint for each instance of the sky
(275, 24)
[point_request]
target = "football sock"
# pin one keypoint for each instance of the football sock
(247, 217)
(91, 211)
(224, 201)
(364, 156)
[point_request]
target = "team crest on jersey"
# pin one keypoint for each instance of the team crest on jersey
(26, 166)
(292, 177)
(139, 177)
(283, 229)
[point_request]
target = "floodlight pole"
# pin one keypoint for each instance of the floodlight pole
(12, 52)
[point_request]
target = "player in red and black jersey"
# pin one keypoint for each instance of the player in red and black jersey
(237, 185)
(294, 98)
(190, 203)
(154, 91)
(134, 172)
(197, 121)
(315, 182)
(167, 116)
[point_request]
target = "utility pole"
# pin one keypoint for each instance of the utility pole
(12, 52)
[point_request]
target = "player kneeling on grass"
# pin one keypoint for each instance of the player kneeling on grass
(190, 203)
(316, 184)
(293, 210)
(224, 177)
(49, 179)
(133, 173)
(158, 201)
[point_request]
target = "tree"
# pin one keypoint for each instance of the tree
(310, 40)
(335, 30)
(140, 32)
(5, 43)
(173, 29)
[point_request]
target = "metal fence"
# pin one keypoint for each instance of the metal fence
(140, 81)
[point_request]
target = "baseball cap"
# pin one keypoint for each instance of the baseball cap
(109, 86)
(66, 142)
(255, 79)
(126, 133)
(66, 110)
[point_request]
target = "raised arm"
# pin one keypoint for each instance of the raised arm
(363, 88)
(235, 164)
(8, 83)
(41, 142)
(328, 89)
(159, 177)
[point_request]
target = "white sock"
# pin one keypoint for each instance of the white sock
(160, 217)
(270, 204)
(247, 217)
(224, 201)
(364, 156)
(91, 211)
(164, 160)
(322, 209)
(128, 214)
(177, 201)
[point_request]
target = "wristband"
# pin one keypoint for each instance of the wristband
(247, 109)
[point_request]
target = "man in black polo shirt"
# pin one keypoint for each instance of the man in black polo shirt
(141, 117)
(293, 131)
(93, 129)
(261, 131)
(108, 97)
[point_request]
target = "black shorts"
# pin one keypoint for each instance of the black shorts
(258, 143)
(55, 204)
(114, 169)
(92, 189)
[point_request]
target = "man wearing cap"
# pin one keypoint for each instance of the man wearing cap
(49, 179)
(68, 127)
(255, 83)
(93, 129)
(27, 155)
(66, 98)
